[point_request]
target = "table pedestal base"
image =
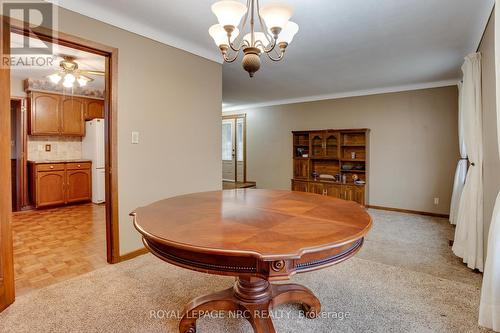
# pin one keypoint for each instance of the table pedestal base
(252, 299)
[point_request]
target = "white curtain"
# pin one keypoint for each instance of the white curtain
(489, 310)
(468, 242)
(461, 171)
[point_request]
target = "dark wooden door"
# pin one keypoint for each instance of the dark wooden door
(301, 168)
(7, 293)
(72, 122)
(316, 188)
(44, 114)
(78, 185)
(333, 190)
(50, 188)
(359, 194)
(299, 186)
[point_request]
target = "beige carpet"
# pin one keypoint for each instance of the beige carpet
(377, 297)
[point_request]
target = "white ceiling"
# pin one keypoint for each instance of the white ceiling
(343, 48)
(85, 60)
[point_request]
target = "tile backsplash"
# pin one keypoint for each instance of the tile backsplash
(62, 148)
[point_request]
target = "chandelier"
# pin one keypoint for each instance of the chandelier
(276, 31)
(69, 73)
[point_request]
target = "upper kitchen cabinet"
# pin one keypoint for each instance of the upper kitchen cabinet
(94, 109)
(54, 114)
(44, 114)
(72, 122)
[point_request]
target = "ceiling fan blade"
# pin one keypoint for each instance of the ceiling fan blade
(92, 72)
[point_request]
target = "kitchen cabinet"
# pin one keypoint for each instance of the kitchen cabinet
(72, 122)
(49, 188)
(44, 114)
(52, 114)
(60, 183)
(94, 109)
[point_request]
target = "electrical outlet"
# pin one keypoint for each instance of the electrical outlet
(436, 201)
(40, 147)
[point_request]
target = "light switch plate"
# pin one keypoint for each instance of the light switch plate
(135, 137)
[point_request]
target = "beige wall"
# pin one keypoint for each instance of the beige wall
(173, 98)
(414, 144)
(490, 151)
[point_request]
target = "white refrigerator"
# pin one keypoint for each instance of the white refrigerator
(93, 149)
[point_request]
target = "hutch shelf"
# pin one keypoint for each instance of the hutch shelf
(332, 162)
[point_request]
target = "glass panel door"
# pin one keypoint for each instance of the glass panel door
(228, 150)
(240, 150)
(317, 145)
(233, 149)
(331, 145)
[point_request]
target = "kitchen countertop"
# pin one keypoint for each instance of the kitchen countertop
(80, 160)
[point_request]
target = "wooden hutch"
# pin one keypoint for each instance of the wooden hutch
(332, 162)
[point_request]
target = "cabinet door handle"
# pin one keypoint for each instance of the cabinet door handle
(78, 165)
(52, 167)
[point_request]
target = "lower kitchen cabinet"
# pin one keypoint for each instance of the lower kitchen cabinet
(49, 188)
(77, 182)
(60, 183)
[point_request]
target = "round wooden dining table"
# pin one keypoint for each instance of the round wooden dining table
(258, 236)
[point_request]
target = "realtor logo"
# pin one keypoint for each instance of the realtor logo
(28, 48)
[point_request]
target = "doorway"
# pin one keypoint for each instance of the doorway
(17, 153)
(234, 152)
(12, 177)
(233, 148)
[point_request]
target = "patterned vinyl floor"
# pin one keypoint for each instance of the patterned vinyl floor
(53, 245)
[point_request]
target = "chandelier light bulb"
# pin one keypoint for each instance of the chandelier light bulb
(220, 35)
(286, 35)
(276, 15)
(229, 12)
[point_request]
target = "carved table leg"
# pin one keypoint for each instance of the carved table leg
(254, 298)
(295, 293)
(222, 300)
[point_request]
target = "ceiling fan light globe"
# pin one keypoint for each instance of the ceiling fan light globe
(82, 81)
(70, 78)
(67, 84)
(276, 15)
(229, 12)
(55, 78)
(288, 32)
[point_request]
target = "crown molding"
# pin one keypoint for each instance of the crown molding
(357, 93)
(133, 26)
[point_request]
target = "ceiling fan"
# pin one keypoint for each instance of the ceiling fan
(70, 73)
